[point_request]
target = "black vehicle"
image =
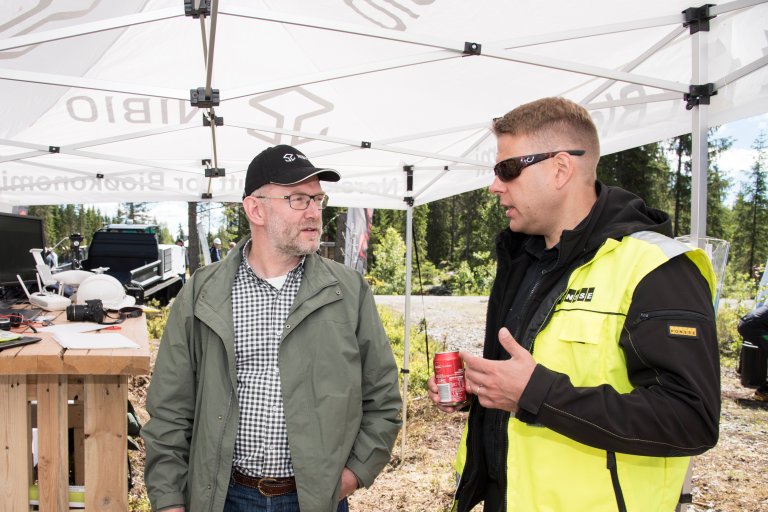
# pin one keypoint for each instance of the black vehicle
(132, 254)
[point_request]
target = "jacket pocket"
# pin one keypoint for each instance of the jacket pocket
(580, 343)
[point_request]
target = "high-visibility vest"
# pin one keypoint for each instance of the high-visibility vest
(547, 471)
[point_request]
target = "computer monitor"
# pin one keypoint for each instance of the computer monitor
(18, 234)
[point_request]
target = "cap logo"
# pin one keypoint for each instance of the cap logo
(289, 157)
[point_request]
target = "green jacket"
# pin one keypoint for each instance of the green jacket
(339, 383)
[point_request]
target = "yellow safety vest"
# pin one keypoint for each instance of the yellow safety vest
(547, 471)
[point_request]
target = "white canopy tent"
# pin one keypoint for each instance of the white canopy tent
(96, 95)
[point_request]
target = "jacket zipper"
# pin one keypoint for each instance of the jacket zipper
(676, 314)
(613, 468)
(506, 417)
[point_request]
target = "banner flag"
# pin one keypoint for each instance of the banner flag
(356, 235)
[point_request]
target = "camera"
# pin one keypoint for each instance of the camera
(92, 311)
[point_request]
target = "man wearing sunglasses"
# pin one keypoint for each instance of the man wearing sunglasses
(600, 372)
(275, 387)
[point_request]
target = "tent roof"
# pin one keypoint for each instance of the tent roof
(96, 95)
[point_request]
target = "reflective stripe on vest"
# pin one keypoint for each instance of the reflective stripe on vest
(548, 471)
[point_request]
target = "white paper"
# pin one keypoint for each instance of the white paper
(72, 327)
(77, 340)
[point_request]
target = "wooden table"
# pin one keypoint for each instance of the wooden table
(51, 375)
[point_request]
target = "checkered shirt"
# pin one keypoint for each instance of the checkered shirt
(260, 311)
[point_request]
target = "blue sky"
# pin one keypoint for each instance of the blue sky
(736, 160)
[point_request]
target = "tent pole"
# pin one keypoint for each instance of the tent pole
(699, 164)
(407, 333)
(699, 167)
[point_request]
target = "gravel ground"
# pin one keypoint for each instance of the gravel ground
(457, 321)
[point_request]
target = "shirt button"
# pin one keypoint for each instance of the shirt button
(287, 326)
(220, 417)
(209, 486)
(338, 292)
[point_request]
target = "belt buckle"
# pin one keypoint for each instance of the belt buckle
(266, 481)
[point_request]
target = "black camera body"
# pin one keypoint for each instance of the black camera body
(91, 311)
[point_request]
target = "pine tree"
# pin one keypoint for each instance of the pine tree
(750, 236)
(642, 170)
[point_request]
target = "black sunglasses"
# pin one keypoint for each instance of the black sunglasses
(509, 169)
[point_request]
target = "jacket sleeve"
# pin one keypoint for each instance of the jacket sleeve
(171, 406)
(753, 327)
(381, 396)
(675, 406)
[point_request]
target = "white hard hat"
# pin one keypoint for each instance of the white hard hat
(217, 240)
(107, 289)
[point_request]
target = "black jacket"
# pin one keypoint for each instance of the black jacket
(675, 406)
(753, 327)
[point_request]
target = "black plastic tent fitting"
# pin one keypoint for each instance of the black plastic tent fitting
(365, 144)
(206, 195)
(197, 98)
(54, 149)
(698, 95)
(217, 119)
(471, 48)
(697, 18)
(203, 10)
(215, 172)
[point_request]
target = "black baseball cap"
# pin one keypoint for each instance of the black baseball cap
(283, 165)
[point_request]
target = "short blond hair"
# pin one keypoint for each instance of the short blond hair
(552, 118)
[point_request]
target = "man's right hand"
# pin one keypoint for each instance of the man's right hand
(435, 396)
(175, 509)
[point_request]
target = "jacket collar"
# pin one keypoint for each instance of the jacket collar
(214, 301)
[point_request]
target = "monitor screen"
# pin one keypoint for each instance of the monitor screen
(18, 234)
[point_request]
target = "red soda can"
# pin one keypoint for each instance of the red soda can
(449, 377)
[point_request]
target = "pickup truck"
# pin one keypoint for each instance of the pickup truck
(132, 254)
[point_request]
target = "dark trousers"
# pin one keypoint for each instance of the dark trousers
(247, 499)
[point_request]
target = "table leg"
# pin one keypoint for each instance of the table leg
(106, 438)
(15, 465)
(53, 455)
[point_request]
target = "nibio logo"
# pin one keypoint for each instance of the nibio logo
(295, 104)
(133, 110)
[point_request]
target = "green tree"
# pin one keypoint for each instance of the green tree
(750, 234)
(137, 213)
(680, 183)
(642, 171)
(387, 274)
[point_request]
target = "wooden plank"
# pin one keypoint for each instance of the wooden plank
(14, 442)
(52, 458)
(74, 387)
(41, 357)
(77, 424)
(126, 361)
(48, 357)
(106, 449)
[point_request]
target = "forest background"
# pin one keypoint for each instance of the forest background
(454, 237)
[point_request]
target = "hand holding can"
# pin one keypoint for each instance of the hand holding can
(449, 377)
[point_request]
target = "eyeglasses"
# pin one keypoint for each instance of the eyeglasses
(509, 169)
(301, 201)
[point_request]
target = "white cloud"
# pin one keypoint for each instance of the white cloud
(736, 160)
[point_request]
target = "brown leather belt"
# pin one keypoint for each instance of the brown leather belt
(269, 487)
